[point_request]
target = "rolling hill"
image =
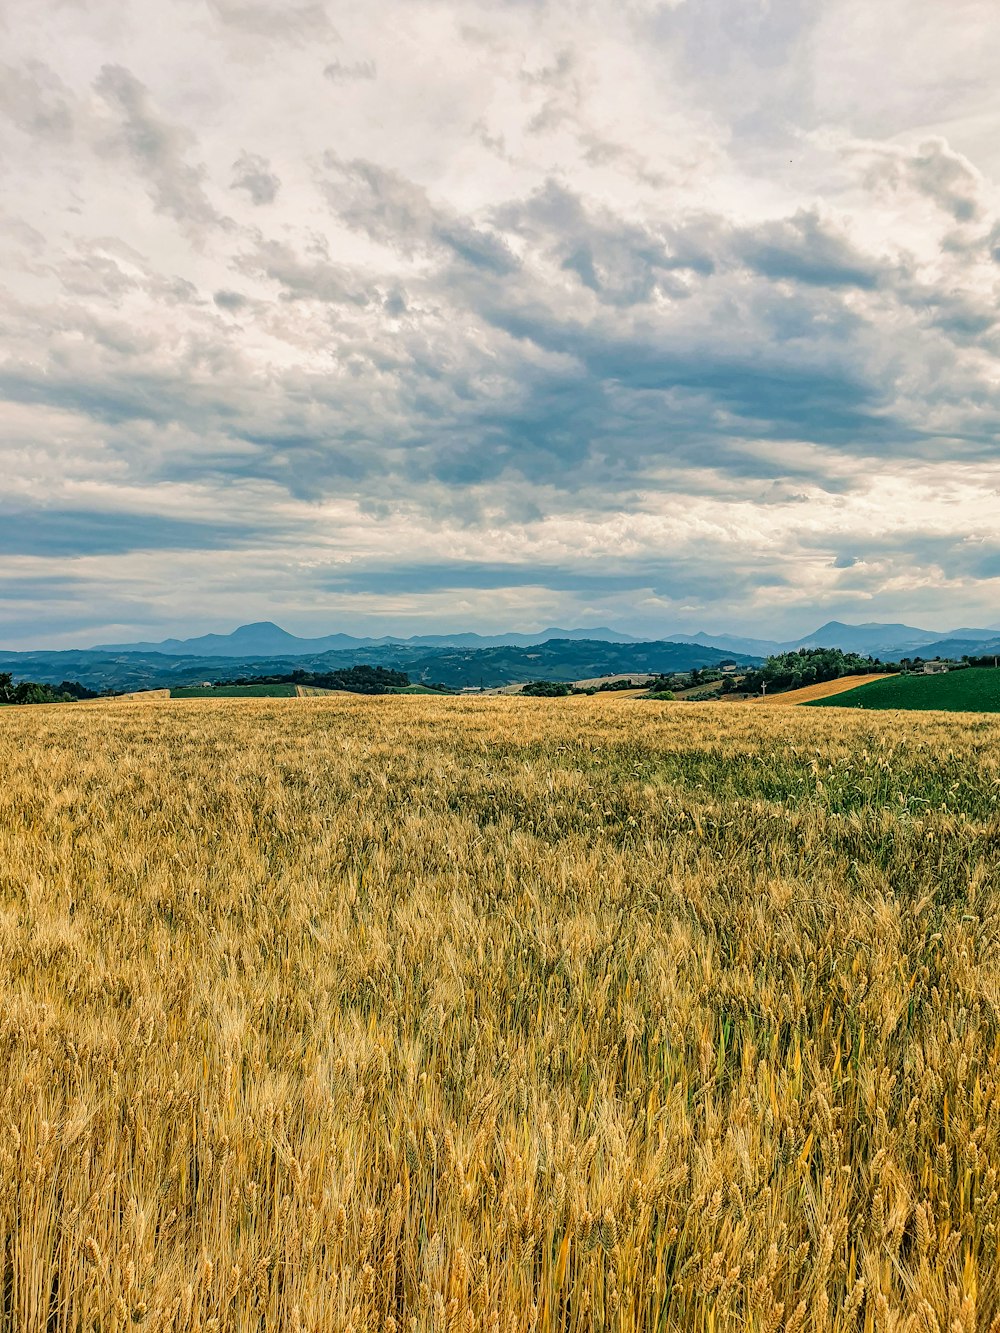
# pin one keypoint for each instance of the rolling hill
(557, 659)
(972, 690)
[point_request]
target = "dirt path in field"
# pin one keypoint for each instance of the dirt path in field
(824, 689)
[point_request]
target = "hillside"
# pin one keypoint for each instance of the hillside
(558, 659)
(561, 660)
(973, 690)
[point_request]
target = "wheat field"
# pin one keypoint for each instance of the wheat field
(502, 1014)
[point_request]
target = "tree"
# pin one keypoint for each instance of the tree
(6, 681)
(361, 679)
(546, 689)
(30, 692)
(74, 690)
(807, 666)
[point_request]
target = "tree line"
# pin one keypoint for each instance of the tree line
(33, 692)
(356, 679)
(809, 666)
(557, 689)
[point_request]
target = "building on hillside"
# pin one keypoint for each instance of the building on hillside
(933, 668)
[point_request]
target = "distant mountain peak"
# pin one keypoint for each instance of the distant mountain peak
(263, 637)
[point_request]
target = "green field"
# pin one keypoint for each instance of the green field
(970, 690)
(233, 692)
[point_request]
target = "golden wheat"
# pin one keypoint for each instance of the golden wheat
(419, 1014)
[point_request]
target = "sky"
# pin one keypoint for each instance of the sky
(422, 316)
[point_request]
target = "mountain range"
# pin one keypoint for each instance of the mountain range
(465, 659)
(265, 639)
(887, 642)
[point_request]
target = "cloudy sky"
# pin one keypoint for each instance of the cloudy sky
(489, 314)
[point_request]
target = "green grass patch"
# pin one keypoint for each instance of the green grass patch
(908, 777)
(969, 690)
(233, 692)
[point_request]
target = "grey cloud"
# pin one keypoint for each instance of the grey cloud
(39, 587)
(619, 407)
(126, 382)
(495, 143)
(285, 19)
(993, 243)
(94, 270)
(560, 86)
(600, 151)
(934, 170)
(23, 234)
(172, 290)
(955, 557)
(625, 263)
(964, 318)
(558, 74)
(397, 212)
(36, 100)
(253, 173)
(687, 382)
(806, 249)
(987, 566)
(423, 578)
(105, 267)
(304, 279)
(158, 149)
(659, 577)
(621, 262)
(339, 72)
(229, 300)
(74, 532)
(946, 177)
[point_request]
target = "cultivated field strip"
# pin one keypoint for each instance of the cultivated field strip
(433, 1014)
(824, 689)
